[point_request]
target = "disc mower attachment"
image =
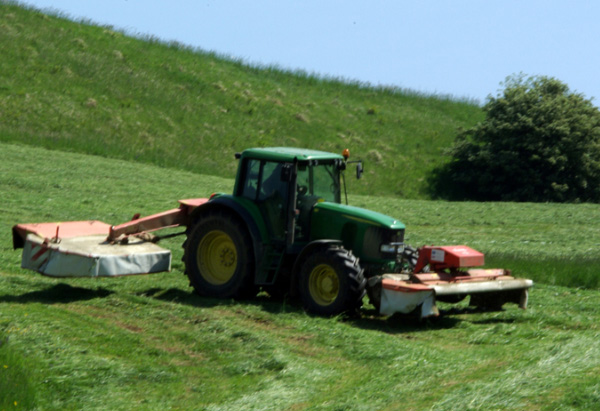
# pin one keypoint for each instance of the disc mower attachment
(447, 281)
(97, 249)
(80, 249)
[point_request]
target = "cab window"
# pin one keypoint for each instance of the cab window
(322, 181)
(251, 175)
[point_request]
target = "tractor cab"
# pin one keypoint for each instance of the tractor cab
(286, 183)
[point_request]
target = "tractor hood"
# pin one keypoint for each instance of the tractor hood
(365, 232)
(340, 213)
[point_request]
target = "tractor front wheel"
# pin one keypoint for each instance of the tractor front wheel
(331, 282)
(218, 260)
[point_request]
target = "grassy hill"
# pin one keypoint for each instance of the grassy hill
(90, 89)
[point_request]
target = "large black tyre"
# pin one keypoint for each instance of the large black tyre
(218, 257)
(331, 282)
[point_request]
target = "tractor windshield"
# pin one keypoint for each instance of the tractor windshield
(320, 180)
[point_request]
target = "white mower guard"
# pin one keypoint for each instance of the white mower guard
(92, 256)
(81, 249)
(93, 248)
(401, 296)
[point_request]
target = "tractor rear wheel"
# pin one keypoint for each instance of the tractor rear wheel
(332, 282)
(218, 258)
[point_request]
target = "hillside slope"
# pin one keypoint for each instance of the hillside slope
(90, 89)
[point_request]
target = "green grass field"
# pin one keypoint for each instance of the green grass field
(98, 125)
(148, 342)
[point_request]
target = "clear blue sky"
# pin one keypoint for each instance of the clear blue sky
(464, 48)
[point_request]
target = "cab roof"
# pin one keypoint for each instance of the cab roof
(287, 154)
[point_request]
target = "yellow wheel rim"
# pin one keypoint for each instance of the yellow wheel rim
(323, 284)
(217, 257)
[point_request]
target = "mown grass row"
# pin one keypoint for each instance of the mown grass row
(78, 87)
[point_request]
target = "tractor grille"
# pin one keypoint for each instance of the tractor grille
(375, 237)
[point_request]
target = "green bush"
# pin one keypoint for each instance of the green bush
(539, 142)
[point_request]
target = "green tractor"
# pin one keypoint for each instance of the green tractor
(284, 230)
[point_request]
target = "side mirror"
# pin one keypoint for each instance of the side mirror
(359, 171)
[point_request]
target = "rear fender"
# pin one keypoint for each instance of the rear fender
(306, 251)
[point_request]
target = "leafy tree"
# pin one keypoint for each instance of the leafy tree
(538, 142)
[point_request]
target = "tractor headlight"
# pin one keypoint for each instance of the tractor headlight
(392, 248)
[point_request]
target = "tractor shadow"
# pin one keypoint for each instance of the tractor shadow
(59, 293)
(179, 296)
(448, 318)
(371, 320)
(365, 318)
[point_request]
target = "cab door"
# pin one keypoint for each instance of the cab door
(267, 184)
